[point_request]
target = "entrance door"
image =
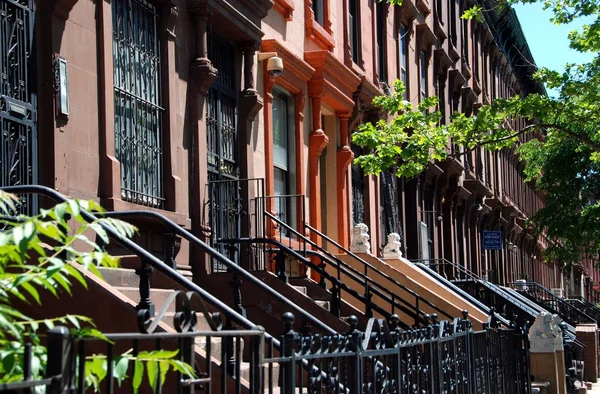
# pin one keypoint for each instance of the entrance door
(18, 105)
(222, 140)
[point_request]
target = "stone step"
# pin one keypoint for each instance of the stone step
(157, 296)
(120, 277)
(301, 289)
(324, 304)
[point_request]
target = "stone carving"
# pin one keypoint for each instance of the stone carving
(360, 239)
(392, 248)
(558, 334)
(543, 335)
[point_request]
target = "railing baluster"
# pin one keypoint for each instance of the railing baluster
(109, 368)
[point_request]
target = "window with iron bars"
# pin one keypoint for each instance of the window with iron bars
(138, 111)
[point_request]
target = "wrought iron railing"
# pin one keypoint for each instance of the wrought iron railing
(220, 311)
(339, 284)
(384, 281)
(232, 216)
(543, 296)
(586, 306)
(487, 292)
(442, 357)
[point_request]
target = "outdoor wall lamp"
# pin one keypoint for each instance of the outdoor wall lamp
(274, 63)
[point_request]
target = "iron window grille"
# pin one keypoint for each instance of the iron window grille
(138, 111)
(18, 99)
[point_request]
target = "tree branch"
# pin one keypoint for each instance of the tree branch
(508, 137)
(584, 140)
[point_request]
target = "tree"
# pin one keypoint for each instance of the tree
(561, 129)
(39, 255)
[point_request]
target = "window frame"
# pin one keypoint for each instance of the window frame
(290, 168)
(354, 36)
(137, 194)
(403, 36)
(423, 77)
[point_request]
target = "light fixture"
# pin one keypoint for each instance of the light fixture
(274, 63)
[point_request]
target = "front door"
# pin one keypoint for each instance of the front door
(222, 139)
(18, 105)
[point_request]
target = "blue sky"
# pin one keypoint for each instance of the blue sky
(548, 42)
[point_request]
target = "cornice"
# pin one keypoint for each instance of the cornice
(333, 71)
(292, 63)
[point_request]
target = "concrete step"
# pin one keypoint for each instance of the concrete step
(120, 277)
(324, 304)
(157, 296)
(301, 289)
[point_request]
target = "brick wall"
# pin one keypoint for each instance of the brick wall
(588, 335)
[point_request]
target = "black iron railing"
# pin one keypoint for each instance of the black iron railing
(442, 357)
(544, 297)
(385, 291)
(490, 294)
(339, 284)
(589, 308)
(233, 318)
(384, 281)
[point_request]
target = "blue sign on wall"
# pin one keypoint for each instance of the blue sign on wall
(492, 240)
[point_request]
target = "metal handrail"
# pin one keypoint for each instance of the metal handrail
(138, 250)
(585, 305)
(164, 268)
(335, 281)
(366, 266)
(464, 294)
(491, 286)
(222, 259)
(366, 280)
(538, 293)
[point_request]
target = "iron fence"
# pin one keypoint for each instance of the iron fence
(442, 357)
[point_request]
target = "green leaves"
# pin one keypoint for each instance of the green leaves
(42, 256)
(154, 364)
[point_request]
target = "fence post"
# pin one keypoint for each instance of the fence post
(257, 357)
(355, 368)
(60, 363)
(287, 377)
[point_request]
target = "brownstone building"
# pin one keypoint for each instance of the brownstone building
(171, 106)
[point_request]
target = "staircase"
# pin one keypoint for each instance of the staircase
(589, 308)
(487, 293)
(569, 312)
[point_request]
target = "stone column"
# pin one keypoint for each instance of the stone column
(343, 159)
(317, 141)
(202, 75)
(544, 337)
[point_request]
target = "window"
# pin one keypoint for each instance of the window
(137, 90)
(283, 156)
(354, 30)
(465, 40)
(423, 67)
(381, 42)
(318, 10)
(403, 54)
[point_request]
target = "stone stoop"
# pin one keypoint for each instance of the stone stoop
(126, 282)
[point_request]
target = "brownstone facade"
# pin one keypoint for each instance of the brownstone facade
(154, 116)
